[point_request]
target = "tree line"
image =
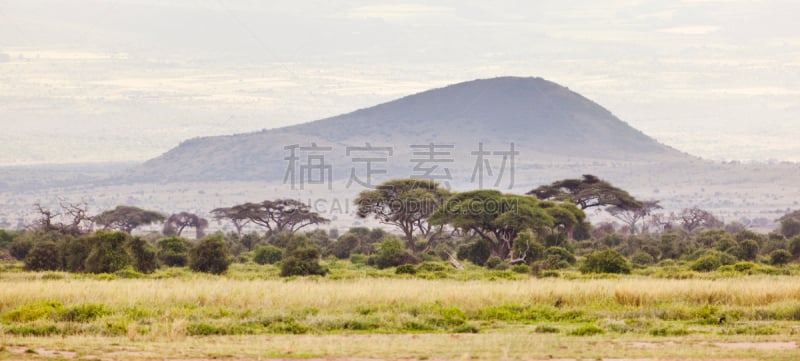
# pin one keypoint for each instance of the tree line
(546, 229)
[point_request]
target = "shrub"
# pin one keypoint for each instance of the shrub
(391, 253)
(407, 269)
(19, 248)
(642, 259)
(108, 253)
(210, 256)
(794, 246)
(43, 257)
(477, 252)
(747, 250)
(780, 257)
(268, 254)
(303, 262)
(706, 263)
(562, 253)
(143, 255)
(74, 252)
(587, 330)
(608, 261)
(521, 268)
(33, 311)
(173, 252)
(493, 262)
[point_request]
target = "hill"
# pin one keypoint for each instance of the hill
(544, 120)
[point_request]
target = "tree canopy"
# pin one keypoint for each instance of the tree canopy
(406, 204)
(127, 218)
(277, 216)
(497, 218)
(586, 192)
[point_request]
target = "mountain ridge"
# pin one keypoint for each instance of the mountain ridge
(541, 117)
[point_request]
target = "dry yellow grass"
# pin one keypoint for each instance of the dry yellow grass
(326, 294)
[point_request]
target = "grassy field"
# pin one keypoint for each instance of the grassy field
(249, 313)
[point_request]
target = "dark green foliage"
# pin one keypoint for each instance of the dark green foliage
(706, 263)
(780, 257)
(86, 312)
(357, 240)
(43, 257)
(794, 247)
(19, 248)
(561, 253)
(642, 259)
(608, 261)
(6, 238)
(747, 250)
(790, 226)
(74, 252)
(303, 261)
(108, 253)
(268, 254)
(391, 253)
(476, 252)
(294, 242)
(582, 232)
(494, 262)
(143, 255)
(173, 252)
(210, 256)
(556, 240)
(526, 248)
(406, 269)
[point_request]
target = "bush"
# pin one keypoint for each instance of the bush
(642, 259)
(302, 262)
(43, 257)
(493, 262)
(477, 252)
(210, 256)
(19, 248)
(521, 268)
(143, 255)
(407, 269)
(268, 254)
(391, 253)
(608, 261)
(794, 247)
(561, 253)
(706, 263)
(780, 257)
(74, 252)
(173, 252)
(108, 253)
(747, 250)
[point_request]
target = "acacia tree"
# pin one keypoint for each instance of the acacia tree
(696, 218)
(236, 214)
(633, 215)
(177, 222)
(405, 204)
(127, 218)
(497, 218)
(589, 191)
(76, 220)
(281, 215)
(566, 216)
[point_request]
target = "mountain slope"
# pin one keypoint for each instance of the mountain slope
(544, 120)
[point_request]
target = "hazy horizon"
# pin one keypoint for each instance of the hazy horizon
(122, 81)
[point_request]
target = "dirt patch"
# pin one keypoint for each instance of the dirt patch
(758, 345)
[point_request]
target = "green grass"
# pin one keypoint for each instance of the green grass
(252, 301)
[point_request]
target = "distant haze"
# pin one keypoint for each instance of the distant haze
(127, 80)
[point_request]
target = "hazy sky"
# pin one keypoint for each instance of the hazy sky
(92, 81)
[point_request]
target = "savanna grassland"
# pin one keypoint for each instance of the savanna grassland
(438, 313)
